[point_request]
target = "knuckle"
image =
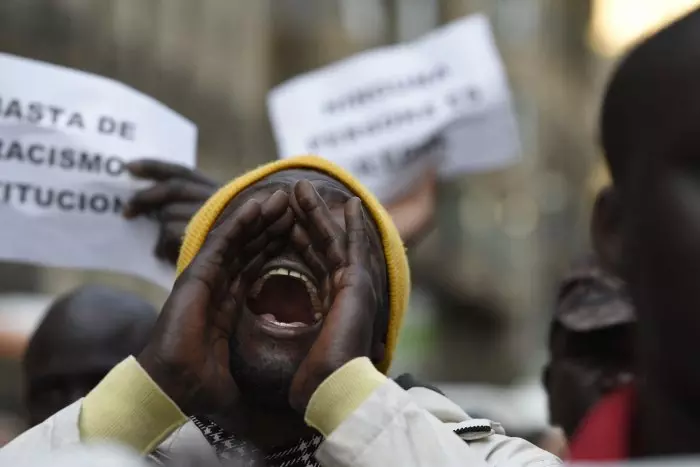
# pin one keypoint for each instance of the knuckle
(173, 231)
(333, 239)
(308, 204)
(362, 281)
(174, 186)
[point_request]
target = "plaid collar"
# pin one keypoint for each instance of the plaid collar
(227, 446)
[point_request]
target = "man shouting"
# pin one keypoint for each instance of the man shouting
(273, 345)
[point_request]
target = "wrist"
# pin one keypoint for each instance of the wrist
(341, 394)
(163, 377)
(127, 407)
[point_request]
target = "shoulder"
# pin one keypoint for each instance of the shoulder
(486, 437)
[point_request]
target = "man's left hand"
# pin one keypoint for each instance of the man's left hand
(348, 326)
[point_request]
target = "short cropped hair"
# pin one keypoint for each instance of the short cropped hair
(653, 97)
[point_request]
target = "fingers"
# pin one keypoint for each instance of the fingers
(327, 236)
(264, 239)
(266, 234)
(358, 240)
(157, 170)
(176, 212)
(301, 242)
(208, 266)
(276, 208)
(170, 239)
(274, 220)
(170, 191)
(251, 271)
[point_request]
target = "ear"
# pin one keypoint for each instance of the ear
(606, 226)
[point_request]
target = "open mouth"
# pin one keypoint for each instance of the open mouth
(286, 296)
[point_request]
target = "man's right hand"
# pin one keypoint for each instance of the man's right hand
(188, 354)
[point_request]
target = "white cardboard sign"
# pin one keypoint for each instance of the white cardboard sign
(392, 113)
(65, 137)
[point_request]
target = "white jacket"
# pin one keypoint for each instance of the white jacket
(393, 427)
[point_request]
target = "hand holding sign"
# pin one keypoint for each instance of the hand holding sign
(173, 200)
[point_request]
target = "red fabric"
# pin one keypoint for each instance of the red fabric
(604, 433)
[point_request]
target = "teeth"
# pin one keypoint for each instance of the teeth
(310, 287)
(295, 324)
(315, 302)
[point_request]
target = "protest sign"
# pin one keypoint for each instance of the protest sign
(389, 114)
(65, 137)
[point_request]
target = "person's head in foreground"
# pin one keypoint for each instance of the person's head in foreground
(282, 252)
(649, 226)
(590, 344)
(287, 290)
(79, 340)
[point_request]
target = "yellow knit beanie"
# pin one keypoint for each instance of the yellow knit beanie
(394, 252)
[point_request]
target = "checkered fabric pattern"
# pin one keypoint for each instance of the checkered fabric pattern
(227, 446)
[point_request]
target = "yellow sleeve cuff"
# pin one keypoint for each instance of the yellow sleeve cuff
(341, 394)
(128, 407)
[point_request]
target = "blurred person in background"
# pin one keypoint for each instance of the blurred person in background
(649, 230)
(275, 339)
(590, 343)
(83, 335)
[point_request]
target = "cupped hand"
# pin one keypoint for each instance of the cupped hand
(188, 353)
(347, 331)
(172, 201)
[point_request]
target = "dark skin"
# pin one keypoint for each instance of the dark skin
(584, 367)
(81, 338)
(650, 226)
(174, 198)
(214, 354)
(661, 263)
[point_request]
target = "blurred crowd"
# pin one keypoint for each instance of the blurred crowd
(275, 343)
